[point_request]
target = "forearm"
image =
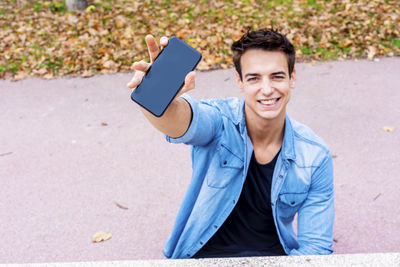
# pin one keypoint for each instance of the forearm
(176, 119)
(316, 216)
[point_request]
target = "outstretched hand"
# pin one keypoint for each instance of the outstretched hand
(142, 66)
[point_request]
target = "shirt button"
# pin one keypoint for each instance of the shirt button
(225, 162)
(215, 226)
(280, 176)
(201, 243)
(234, 201)
(188, 255)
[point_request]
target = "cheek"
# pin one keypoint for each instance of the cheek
(288, 94)
(283, 88)
(248, 91)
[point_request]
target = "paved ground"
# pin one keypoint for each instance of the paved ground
(70, 149)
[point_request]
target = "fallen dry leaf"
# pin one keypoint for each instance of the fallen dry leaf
(87, 73)
(101, 236)
(376, 197)
(120, 206)
(104, 124)
(388, 128)
(371, 52)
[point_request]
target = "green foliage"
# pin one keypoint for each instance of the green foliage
(189, 13)
(54, 63)
(274, 4)
(306, 50)
(396, 42)
(58, 7)
(13, 67)
(37, 6)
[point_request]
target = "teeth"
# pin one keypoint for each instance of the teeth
(268, 102)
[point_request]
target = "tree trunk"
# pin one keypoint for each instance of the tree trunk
(74, 5)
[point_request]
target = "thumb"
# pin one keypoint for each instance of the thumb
(189, 82)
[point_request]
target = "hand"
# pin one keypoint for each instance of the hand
(142, 66)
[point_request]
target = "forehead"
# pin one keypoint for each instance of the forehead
(262, 61)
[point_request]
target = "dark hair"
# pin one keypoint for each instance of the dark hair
(266, 39)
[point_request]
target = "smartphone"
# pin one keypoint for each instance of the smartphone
(166, 76)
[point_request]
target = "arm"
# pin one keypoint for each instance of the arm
(316, 216)
(205, 125)
(176, 119)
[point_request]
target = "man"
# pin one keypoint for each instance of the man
(254, 168)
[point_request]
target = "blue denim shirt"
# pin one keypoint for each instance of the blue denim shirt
(221, 151)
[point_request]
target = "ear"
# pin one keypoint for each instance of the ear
(292, 81)
(239, 81)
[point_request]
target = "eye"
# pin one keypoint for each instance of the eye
(252, 79)
(278, 77)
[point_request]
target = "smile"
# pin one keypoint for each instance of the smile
(269, 102)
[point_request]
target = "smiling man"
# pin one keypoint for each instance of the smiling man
(254, 168)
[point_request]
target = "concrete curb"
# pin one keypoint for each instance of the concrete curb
(377, 259)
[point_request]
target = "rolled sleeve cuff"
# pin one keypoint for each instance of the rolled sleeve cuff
(295, 252)
(190, 133)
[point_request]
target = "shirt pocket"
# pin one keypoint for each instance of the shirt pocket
(290, 203)
(225, 167)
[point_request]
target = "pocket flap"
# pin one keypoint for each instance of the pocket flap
(292, 199)
(228, 159)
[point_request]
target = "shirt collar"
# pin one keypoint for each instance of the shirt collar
(287, 150)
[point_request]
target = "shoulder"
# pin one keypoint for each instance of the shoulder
(229, 107)
(310, 148)
(306, 134)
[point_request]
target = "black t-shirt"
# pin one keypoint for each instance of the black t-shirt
(249, 230)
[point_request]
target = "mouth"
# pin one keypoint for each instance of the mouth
(269, 102)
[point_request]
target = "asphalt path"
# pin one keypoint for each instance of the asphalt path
(78, 157)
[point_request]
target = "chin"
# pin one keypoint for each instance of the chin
(272, 115)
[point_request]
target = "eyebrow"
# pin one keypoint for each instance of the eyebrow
(273, 74)
(251, 74)
(279, 73)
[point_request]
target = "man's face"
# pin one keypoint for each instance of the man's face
(265, 83)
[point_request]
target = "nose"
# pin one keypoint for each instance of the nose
(266, 87)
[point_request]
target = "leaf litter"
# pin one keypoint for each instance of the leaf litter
(42, 39)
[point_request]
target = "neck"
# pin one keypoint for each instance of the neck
(265, 133)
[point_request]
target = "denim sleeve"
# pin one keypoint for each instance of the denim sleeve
(204, 127)
(316, 216)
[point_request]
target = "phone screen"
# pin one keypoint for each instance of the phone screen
(166, 76)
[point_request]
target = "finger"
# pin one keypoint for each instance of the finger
(163, 41)
(141, 66)
(136, 80)
(189, 82)
(152, 47)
